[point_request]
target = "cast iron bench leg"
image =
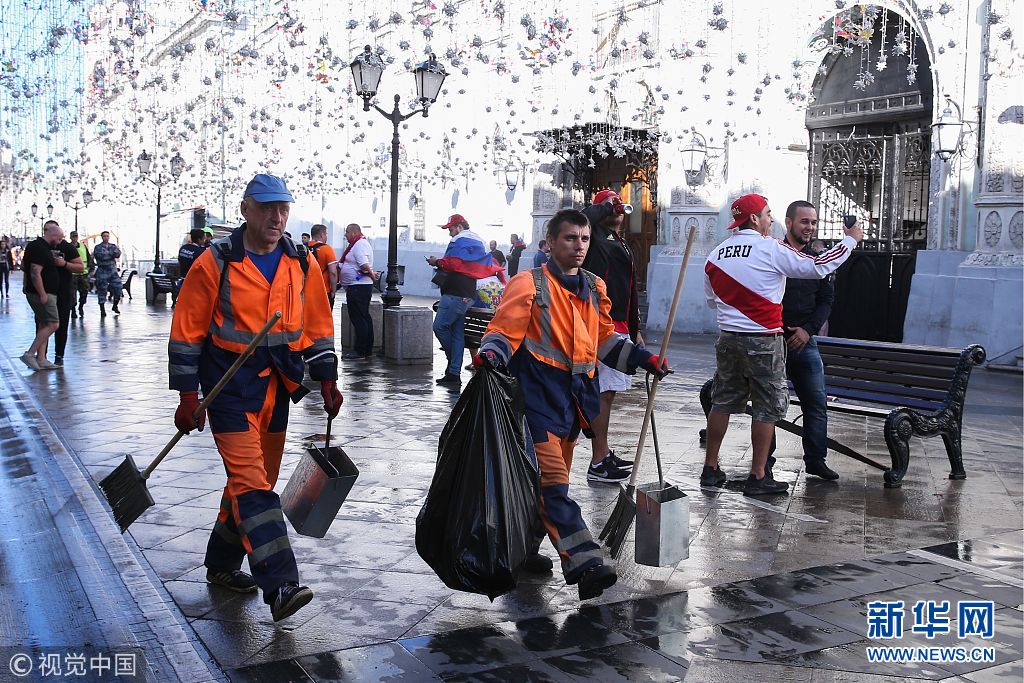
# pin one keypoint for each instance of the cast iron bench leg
(951, 437)
(899, 427)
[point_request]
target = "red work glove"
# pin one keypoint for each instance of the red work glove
(332, 397)
(185, 416)
(489, 359)
(656, 366)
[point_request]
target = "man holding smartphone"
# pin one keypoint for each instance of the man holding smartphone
(805, 309)
(744, 281)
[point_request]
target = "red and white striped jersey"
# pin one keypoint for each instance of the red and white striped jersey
(745, 278)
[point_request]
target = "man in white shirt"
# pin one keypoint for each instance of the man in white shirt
(355, 273)
(744, 281)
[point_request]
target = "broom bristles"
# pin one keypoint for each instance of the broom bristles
(126, 493)
(619, 522)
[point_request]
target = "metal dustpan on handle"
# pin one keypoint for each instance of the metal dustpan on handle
(318, 487)
(662, 525)
(662, 516)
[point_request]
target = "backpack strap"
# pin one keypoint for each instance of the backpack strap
(222, 254)
(543, 296)
(302, 251)
(595, 296)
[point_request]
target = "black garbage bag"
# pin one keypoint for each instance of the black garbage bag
(479, 520)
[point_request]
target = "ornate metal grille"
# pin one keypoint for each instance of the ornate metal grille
(883, 179)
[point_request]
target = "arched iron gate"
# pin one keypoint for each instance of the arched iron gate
(882, 178)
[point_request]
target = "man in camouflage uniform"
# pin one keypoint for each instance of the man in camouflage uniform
(104, 256)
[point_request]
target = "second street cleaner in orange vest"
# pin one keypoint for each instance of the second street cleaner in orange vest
(551, 327)
(231, 291)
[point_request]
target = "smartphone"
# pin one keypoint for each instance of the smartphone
(849, 221)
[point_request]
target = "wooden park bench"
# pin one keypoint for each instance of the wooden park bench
(474, 326)
(917, 390)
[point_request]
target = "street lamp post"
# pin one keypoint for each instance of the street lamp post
(367, 69)
(145, 163)
(86, 200)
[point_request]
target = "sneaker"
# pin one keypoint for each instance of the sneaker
(114, 309)
(715, 478)
(619, 462)
(767, 486)
(538, 564)
(449, 378)
(58, 361)
(819, 469)
(47, 365)
(234, 580)
(595, 580)
(607, 473)
(290, 598)
(30, 360)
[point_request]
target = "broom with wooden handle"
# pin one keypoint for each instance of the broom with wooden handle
(125, 487)
(621, 519)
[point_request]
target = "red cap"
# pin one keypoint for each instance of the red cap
(453, 220)
(603, 195)
(744, 206)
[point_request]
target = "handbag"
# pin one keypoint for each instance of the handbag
(440, 277)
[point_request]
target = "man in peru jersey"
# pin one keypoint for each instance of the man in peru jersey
(744, 281)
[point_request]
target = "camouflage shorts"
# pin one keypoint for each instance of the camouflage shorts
(751, 369)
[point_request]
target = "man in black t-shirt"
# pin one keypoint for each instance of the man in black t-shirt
(41, 261)
(499, 257)
(65, 296)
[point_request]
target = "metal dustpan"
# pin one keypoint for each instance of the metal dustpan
(317, 488)
(662, 525)
(662, 515)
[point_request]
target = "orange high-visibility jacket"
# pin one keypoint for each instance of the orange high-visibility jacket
(216, 317)
(550, 339)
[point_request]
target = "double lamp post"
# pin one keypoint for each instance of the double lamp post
(367, 69)
(145, 163)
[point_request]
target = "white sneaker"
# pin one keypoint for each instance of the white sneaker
(47, 365)
(30, 360)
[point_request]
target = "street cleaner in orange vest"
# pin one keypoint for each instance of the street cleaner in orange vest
(230, 293)
(552, 325)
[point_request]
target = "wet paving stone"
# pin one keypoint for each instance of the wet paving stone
(466, 651)
(774, 637)
(1003, 673)
(987, 555)
(285, 671)
(863, 578)
(384, 662)
(628, 662)
(914, 566)
(798, 589)
(850, 663)
(538, 671)
(562, 633)
(986, 589)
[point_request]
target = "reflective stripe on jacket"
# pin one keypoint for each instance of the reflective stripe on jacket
(215, 320)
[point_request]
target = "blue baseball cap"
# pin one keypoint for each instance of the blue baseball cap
(268, 188)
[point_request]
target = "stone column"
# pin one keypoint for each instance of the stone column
(687, 208)
(548, 197)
